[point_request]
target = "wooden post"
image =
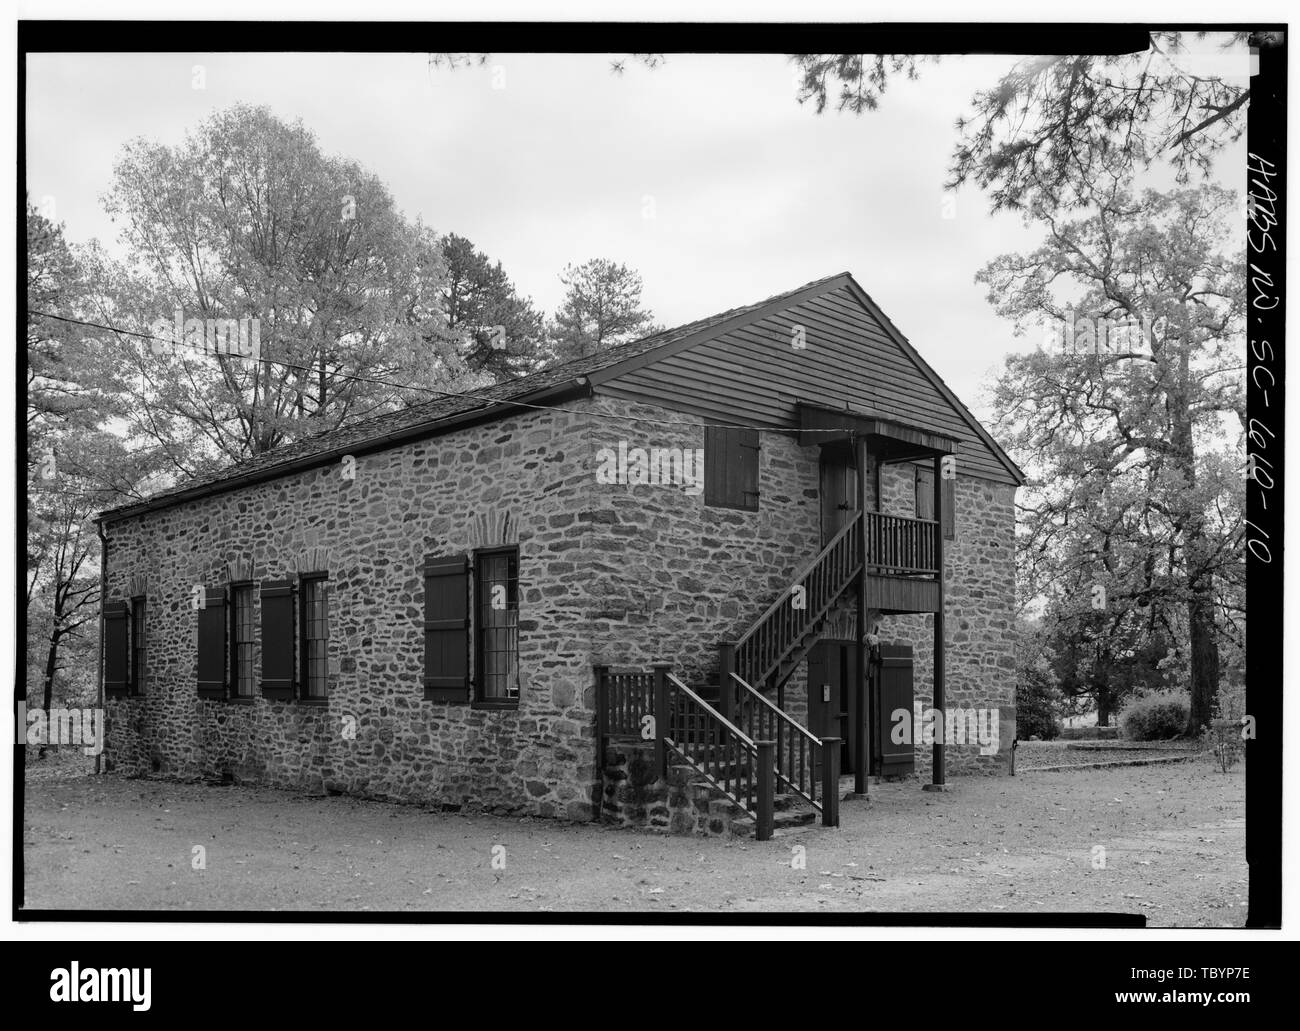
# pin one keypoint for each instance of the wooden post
(860, 682)
(726, 687)
(661, 715)
(831, 781)
(940, 657)
(602, 715)
(766, 773)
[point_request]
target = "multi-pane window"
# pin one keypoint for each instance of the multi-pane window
(496, 593)
(243, 642)
(137, 645)
(313, 598)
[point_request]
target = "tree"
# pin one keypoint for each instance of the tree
(601, 309)
(1064, 129)
(248, 220)
(76, 463)
(1135, 447)
(504, 334)
(1038, 698)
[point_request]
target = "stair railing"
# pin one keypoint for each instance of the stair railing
(777, 634)
(797, 751)
(729, 759)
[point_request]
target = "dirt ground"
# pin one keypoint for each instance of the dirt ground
(1164, 841)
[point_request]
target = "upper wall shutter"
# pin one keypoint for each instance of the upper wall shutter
(924, 493)
(446, 628)
(117, 676)
(950, 509)
(731, 467)
(212, 644)
(715, 464)
(277, 639)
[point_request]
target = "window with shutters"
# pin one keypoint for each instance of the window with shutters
(496, 593)
(243, 642)
(313, 601)
(138, 639)
(731, 467)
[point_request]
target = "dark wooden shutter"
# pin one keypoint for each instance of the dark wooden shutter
(277, 639)
(212, 644)
(924, 493)
(117, 656)
(731, 467)
(950, 509)
(715, 465)
(446, 628)
(895, 672)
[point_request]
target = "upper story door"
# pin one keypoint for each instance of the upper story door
(839, 488)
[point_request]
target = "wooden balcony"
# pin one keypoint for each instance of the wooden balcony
(902, 563)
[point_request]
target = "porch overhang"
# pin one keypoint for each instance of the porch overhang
(888, 439)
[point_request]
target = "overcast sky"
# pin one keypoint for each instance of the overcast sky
(704, 175)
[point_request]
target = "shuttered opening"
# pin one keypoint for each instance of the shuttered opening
(212, 644)
(446, 629)
(117, 683)
(925, 501)
(731, 467)
(278, 666)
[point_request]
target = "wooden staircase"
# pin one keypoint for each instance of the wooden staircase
(730, 733)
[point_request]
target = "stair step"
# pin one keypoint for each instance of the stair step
(743, 826)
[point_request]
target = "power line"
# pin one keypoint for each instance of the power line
(429, 390)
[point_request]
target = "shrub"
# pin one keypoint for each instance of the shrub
(1157, 716)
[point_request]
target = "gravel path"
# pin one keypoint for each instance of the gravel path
(1172, 840)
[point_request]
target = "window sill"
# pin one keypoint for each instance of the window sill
(313, 703)
(508, 705)
(242, 699)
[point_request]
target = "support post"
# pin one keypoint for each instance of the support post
(661, 715)
(940, 656)
(860, 731)
(766, 773)
(726, 688)
(831, 781)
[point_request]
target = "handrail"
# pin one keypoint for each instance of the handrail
(793, 768)
(777, 636)
(745, 739)
(800, 576)
(777, 711)
(728, 758)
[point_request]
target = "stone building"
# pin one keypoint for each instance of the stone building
(460, 603)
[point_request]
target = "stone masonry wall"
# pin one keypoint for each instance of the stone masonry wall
(524, 480)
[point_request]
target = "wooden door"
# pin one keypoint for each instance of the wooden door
(832, 707)
(892, 689)
(839, 488)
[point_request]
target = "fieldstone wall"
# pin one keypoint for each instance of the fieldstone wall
(522, 481)
(635, 795)
(676, 576)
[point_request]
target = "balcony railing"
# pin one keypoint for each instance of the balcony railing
(899, 546)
